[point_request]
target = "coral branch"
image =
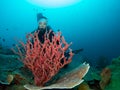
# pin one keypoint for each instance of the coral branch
(44, 59)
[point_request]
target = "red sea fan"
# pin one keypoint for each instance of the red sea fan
(44, 59)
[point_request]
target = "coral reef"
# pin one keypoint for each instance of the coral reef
(105, 78)
(68, 81)
(115, 75)
(13, 74)
(6, 50)
(44, 59)
(8, 65)
(83, 86)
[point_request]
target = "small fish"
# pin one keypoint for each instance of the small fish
(58, 30)
(33, 9)
(3, 40)
(6, 29)
(44, 9)
(13, 45)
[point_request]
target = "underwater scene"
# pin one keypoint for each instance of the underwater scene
(60, 44)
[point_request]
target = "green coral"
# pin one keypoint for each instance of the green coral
(115, 77)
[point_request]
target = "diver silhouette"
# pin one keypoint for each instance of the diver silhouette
(43, 27)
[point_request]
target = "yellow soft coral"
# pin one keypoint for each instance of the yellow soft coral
(83, 86)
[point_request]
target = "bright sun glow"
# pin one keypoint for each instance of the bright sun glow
(53, 3)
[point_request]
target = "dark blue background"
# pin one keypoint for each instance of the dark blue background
(91, 24)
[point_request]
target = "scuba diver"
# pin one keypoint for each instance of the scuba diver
(43, 27)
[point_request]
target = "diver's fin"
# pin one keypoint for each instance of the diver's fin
(77, 51)
(74, 51)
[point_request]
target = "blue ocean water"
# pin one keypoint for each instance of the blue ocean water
(93, 25)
